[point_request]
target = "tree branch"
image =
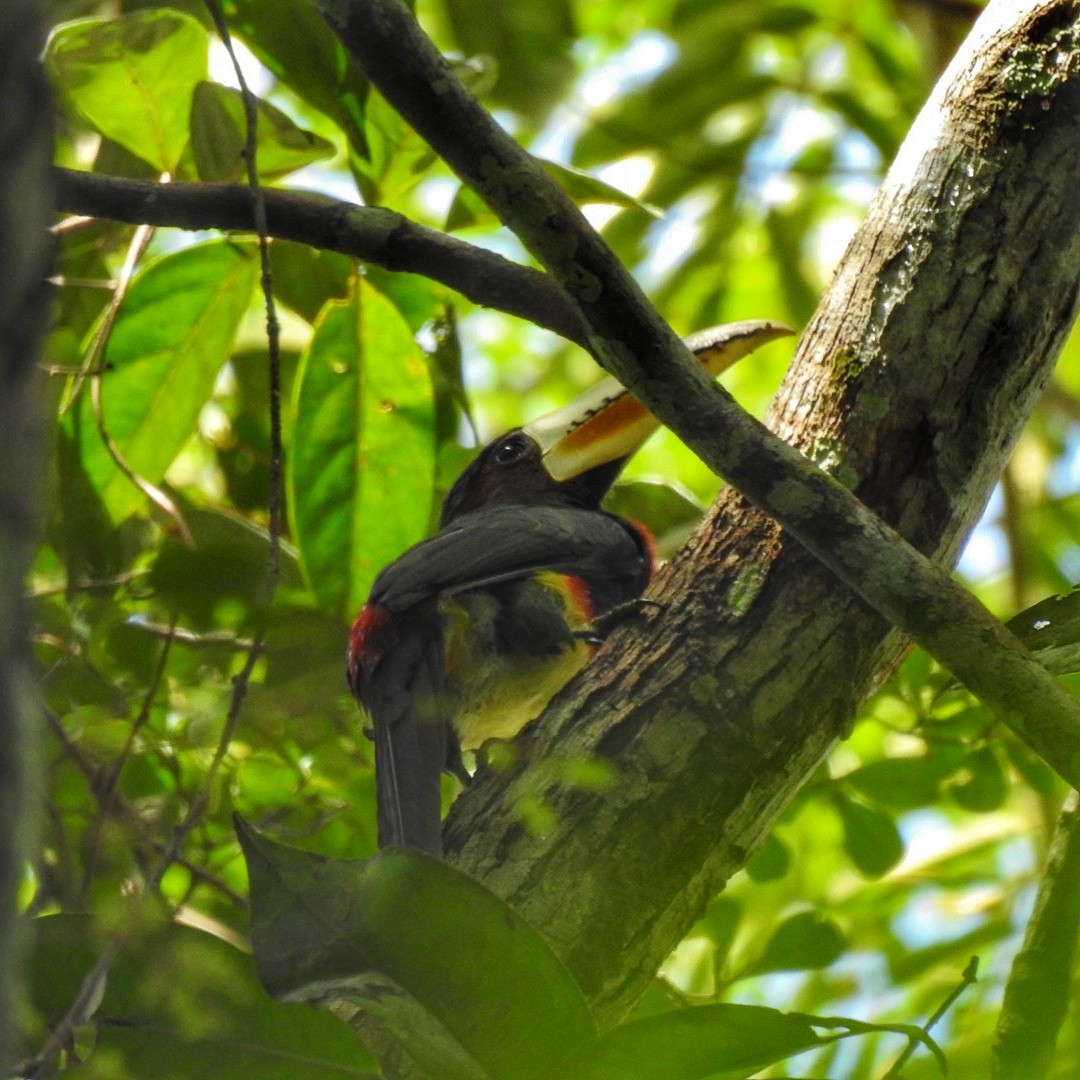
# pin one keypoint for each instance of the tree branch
(25, 254)
(371, 234)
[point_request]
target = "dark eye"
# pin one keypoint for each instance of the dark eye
(513, 448)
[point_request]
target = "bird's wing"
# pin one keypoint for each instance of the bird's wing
(396, 656)
(500, 544)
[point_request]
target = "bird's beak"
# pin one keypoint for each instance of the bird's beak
(607, 423)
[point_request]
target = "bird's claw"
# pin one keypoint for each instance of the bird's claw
(595, 634)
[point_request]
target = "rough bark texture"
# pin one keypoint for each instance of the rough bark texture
(911, 385)
(25, 212)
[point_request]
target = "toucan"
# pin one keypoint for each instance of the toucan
(468, 634)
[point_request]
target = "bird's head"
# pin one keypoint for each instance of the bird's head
(571, 457)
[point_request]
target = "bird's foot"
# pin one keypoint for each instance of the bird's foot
(597, 631)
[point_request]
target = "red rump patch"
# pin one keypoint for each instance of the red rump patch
(368, 641)
(647, 543)
(580, 596)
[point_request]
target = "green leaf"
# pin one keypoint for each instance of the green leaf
(169, 342)
(1051, 630)
(219, 136)
(804, 942)
(585, 189)
(530, 41)
(221, 578)
(770, 862)
(982, 785)
(468, 210)
(466, 986)
(871, 837)
(133, 78)
(363, 463)
(668, 510)
(305, 277)
(693, 1043)
(179, 1003)
(397, 157)
(297, 46)
(908, 782)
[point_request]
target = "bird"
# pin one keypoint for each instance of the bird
(468, 634)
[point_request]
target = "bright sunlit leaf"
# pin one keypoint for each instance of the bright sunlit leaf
(363, 464)
(164, 354)
(133, 78)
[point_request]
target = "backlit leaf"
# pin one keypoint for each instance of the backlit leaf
(363, 462)
(169, 342)
(132, 78)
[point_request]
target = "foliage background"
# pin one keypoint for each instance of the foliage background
(746, 137)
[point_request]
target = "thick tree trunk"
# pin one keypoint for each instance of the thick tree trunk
(911, 385)
(25, 212)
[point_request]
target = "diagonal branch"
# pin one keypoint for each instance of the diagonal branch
(631, 340)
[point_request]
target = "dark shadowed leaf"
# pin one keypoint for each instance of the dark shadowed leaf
(805, 942)
(305, 278)
(530, 41)
(290, 38)
(691, 1044)
(179, 1003)
(908, 782)
(981, 785)
(465, 985)
(871, 837)
(667, 510)
(219, 137)
(770, 861)
(1051, 630)
(220, 579)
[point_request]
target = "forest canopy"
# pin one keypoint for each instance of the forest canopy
(218, 498)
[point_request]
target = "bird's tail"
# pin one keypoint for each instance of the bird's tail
(410, 755)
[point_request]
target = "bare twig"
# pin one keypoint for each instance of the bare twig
(967, 977)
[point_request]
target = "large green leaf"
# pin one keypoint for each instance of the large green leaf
(133, 78)
(299, 48)
(170, 340)
(219, 137)
(904, 783)
(363, 461)
(178, 1003)
(692, 1044)
(220, 578)
(530, 41)
(456, 976)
